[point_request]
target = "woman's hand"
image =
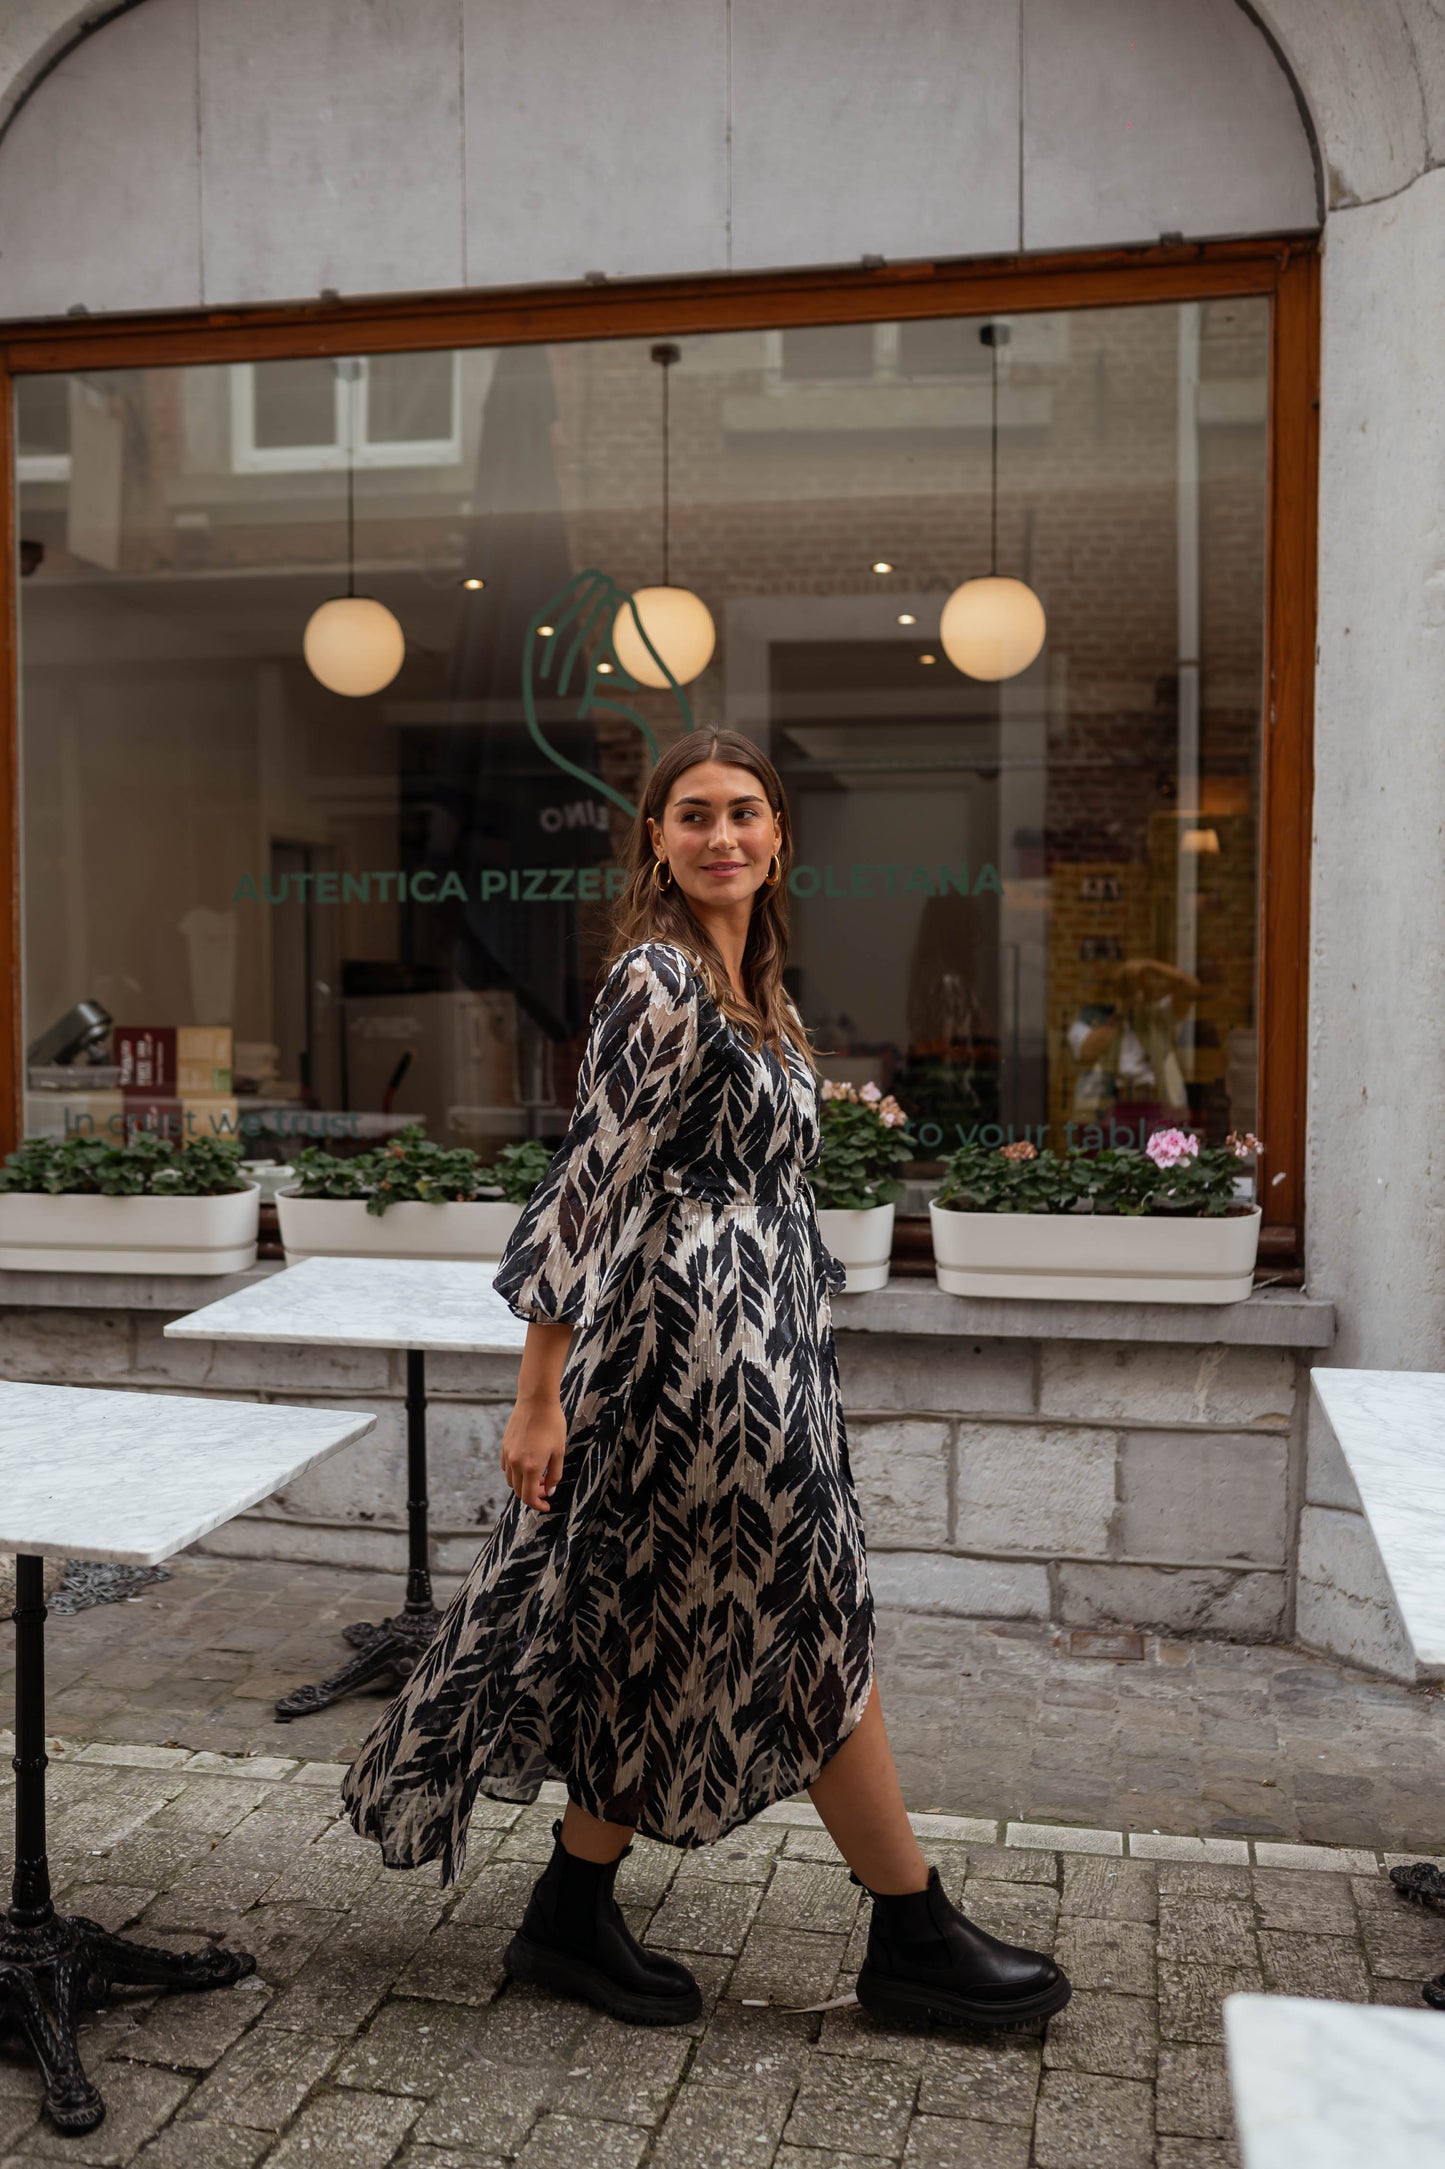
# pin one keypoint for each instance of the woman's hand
(532, 1448)
(536, 1433)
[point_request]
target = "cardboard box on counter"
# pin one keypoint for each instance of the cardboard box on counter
(169, 1061)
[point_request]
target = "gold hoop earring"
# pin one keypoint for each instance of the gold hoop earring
(657, 866)
(771, 880)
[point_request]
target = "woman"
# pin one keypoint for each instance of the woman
(673, 1612)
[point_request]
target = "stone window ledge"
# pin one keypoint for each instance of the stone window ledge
(1270, 1318)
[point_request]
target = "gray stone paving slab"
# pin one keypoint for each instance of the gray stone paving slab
(1192, 2092)
(1115, 2037)
(943, 2142)
(981, 2080)
(864, 2106)
(1084, 2122)
(720, 2127)
(346, 2131)
(1191, 1997)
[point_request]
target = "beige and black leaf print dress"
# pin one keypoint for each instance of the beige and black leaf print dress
(688, 1635)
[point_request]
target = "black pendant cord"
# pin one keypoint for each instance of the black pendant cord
(665, 354)
(667, 475)
(993, 491)
(351, 484)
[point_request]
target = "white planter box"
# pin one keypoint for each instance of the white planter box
(862, 1239)
(319, 1227)
(44, 1234)
(1096, 1257)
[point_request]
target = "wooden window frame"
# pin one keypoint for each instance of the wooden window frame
(1285, 269)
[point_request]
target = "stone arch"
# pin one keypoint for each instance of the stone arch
(276, 152)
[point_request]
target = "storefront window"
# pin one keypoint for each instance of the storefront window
(1028, 907)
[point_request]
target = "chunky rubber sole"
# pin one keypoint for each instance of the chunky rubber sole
(885, 1998)
(567, 1976)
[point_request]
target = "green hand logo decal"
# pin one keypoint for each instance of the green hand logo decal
(570, 654)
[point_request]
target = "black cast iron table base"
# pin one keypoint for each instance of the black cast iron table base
(54, 1966)
(388, 1649)
(1423, 1884)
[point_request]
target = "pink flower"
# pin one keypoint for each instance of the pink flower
(1166, 1148)
(870, 1092)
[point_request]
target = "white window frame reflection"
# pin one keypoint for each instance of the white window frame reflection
(352, 384)
(42, 467)
(1037, 337)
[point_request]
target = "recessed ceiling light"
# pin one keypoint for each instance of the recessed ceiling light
(882, 565)
(473, 583)
(928, 658)
(906, 617)
(544, 631)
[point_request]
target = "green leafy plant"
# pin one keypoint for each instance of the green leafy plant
(985, 1179)
(520, 1166)
(1173, 1175)
(144, 1166)
(410, 1169)
(862, 1148)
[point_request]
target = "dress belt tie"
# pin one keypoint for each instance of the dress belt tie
(717, 1190)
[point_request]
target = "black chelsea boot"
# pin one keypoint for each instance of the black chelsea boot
(926, 1961)
(574, 1939)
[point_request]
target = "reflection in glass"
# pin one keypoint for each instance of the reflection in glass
(1030, 905)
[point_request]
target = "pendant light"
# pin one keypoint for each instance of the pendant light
(353, 644)
(992, 628)
(664, 635)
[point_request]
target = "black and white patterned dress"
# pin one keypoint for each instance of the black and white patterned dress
(688, 1635)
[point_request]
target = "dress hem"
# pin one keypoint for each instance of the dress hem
(453, 1853)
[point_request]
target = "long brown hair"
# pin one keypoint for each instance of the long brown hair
(646, 911)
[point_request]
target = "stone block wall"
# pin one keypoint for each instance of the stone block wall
(1085, 1482)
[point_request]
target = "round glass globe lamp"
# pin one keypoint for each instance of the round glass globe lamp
(992, 628)
(679, 626)
(354, 645)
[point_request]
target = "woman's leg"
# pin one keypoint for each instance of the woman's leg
(925, 1959)
(574, 1936)
(587, 1837)
(861, 1802)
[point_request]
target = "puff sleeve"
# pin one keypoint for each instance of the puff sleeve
(641, 1040)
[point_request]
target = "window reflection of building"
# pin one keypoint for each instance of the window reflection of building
(164, 693)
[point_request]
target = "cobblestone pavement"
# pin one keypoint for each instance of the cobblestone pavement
(990, 1720)
(379, 2028)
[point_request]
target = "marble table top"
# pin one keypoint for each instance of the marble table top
(1335, 2085)
(135, 1477)
(1391, 1430)
(366, 1303)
